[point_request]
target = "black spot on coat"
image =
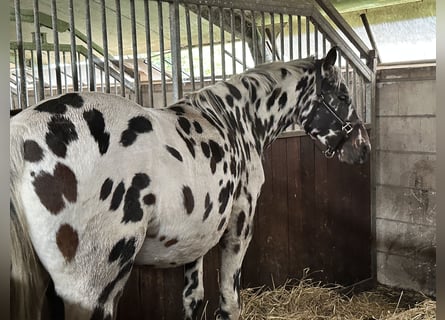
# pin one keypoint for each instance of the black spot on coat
(136, 125)
(124, 271)
(175, 153)
(117, 196)
(58, 105)
(106, 189)
(61, 133)
(123, 250)
(184, 124)
(32, 152)
(234, 91)
(188, 200)
(96, 124)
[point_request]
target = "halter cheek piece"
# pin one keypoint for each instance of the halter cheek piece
(346, 126)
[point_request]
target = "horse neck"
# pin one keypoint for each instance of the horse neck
(257, 106)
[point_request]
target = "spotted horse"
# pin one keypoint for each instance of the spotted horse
(99, 184)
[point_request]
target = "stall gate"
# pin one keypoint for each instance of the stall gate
(153, 52)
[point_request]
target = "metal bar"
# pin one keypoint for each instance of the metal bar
(282, 36)
(22, 96)
(370, 35)
(105, 45)
(91, 73)
(223, 49)
(272, 36)
(299, 37)
(48, 65)
(324, 45)
(33, 76)
(354, 86)
(341, 23)
(316, 40)
(120, 46)
(64, 71)
(175, 43)
(201, 63)
(189, 46)
(291, 38)
(79, 65)
(17, 76)
(347, 72)
(263, 37)
(308, 37)
(254, 39)
(212, 50)
(38, 42)
(148, 47)
(134, 41)
(162, 53)
(56, 46)
(243, 37)
(74, 63)
(232, 33)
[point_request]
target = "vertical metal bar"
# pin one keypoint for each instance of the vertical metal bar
(201, 63)
(137, 89)
(56, 46)
(243, 37)
(223, 48)
(49, 73)
(120, 46)
(282, 36)
(175, 44)
(232, 34)
(291, 38)
(103, 9)
(38, 42)
(347, 74)
(299, 37)
(263, 35)
(362, 98)
(22, 90)
(74, 61)
(92, 78)
(254, 39)
(17, 76)
(190, 46)
(161, 52)
(272, 36)
(212, 51)
(354, 86)
(324, 45)
(101, 80)
(308, 37)
(34, 85)
(79, 65)
(64, 71)
(316, 40)
(148, 47)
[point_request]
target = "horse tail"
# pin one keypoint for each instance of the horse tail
(28, 278)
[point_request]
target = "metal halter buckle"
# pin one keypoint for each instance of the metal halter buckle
(329, 153)
(347, 128)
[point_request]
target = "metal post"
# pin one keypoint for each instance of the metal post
(23, 99)
(148, 46)
(105, 45)
(299, 37)
(222, 40)
(56, 46)
(232, 33)
(201, 63)
(212, 51)
(190, 46)
(91, 73)
(175, 42)
(291, 38)
(162, 53)
(137, 88)
(120, 46)
(282, 36)
(74, 63)
(243, 37)
(38, 42)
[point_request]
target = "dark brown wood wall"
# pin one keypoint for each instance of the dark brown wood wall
(313, 213)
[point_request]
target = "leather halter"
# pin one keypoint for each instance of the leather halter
(346, 126)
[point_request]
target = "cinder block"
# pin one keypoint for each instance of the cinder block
(406, 204)
(406, 273)
(406, 239)
(415, 171)
(417, 97)
(416, 134)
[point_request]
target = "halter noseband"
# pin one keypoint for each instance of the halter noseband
(346, 126)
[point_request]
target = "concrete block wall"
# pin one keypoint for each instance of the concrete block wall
(405, 177)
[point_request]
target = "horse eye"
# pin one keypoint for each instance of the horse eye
(343, 97)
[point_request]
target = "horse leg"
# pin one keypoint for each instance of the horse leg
(193, 293)
(234, 245)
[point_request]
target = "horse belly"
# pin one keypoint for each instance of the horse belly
(178, 246)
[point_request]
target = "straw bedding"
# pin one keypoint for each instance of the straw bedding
(309, 300)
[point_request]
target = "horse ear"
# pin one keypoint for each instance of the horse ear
(330, 58)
